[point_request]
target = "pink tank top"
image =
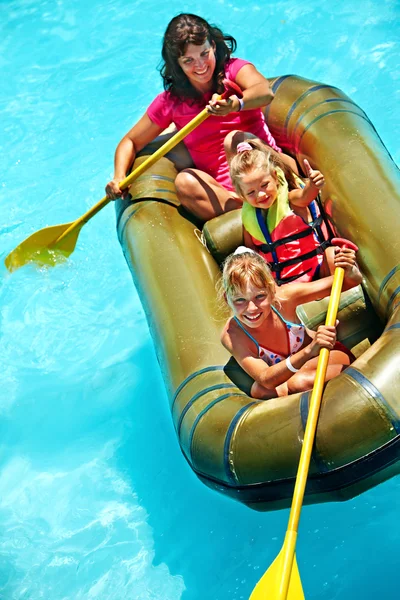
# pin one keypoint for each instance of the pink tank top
(206, 142)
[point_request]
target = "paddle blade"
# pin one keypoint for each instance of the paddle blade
(41, 247)
(269, 586)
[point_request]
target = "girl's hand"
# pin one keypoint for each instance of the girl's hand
(345, 258)
(316, 178)
(325, 337)
(113, 190)
(220, 108)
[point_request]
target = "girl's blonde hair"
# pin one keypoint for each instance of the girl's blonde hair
(258, 157)
(245, 268)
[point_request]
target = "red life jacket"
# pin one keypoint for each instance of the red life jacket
(294, 249)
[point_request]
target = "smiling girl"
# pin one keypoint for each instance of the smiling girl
(197, 57)
(280, 219)
(264, 334)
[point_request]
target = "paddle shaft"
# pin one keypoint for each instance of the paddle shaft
(178, 137)
(309, 435)
(231, 89)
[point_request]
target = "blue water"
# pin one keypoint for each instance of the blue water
(96, 500)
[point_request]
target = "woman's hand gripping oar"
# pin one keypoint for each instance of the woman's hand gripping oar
(282, 580)
(51, 244)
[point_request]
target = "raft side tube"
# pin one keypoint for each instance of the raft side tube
(245, 448)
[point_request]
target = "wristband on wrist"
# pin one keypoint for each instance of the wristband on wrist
(290, 366)
(241, 104)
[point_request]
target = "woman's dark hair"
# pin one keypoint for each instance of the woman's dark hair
(187, 29)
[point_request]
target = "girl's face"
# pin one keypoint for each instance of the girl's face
(259, 189)
(198, 64)
(252, 307)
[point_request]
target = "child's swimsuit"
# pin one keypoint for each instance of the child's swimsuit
(295, 333)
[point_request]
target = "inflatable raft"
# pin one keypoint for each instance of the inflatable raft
(245, 448)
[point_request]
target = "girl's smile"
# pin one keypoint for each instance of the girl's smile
(252, 306)
(198, 64)
(259, 189)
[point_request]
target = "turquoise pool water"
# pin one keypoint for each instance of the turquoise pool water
(96, 501)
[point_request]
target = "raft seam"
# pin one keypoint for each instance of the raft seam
(192, 376)
(295, 104)
(196, 397)
(156, 191)
(204, 411)
(374, 393)
(229, 470)
(155, 176)
(331, 112)
(392, 299)
(120, 232)
(278, 82)
(386, 280)
(320, 104)
(274, 88)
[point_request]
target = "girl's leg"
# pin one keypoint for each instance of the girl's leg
(304, 379)
(262, 393)
(203, 196)
(235, 137)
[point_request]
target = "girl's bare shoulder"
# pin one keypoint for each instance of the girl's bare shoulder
(230, 331)
(236, 341)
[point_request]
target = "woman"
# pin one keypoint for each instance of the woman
(197, 57)
(264, 334)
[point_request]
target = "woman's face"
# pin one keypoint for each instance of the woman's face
(259, 189)
(252, 306)
(198, 64)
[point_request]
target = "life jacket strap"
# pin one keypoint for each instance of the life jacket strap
(280, 280)
(278, 267)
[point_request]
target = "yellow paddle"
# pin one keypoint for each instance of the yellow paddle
(51, 244)
(282, 580)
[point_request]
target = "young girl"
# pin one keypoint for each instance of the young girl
(281, 221)
(264, 334)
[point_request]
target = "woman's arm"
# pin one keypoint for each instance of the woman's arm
(141, 134)
(255, 87)
(256, 93)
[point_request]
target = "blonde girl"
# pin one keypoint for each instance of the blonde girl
(264, 334)
(281, 221)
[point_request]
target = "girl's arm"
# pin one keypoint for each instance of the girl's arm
(137, 138)
(237, 343)
(304, 196)
(293, 294)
